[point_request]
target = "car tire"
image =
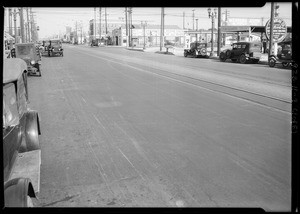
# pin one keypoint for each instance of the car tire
(222, 57)
(272, 62)
(228, 53)
(242, 59)
(29, 202)
(233, 60)
(40, 72)
(185, 54)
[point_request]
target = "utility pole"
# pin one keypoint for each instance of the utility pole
(219, 31)
(162, 28)
(144, 30)
(15, 25)
(28, 25)
(100, 23)
(32, 23)
(271, 29)
(9, 22)
(105, 22)
(76, 37)
(183, 21)
(10, 27)
(130, 26)
(95, 23)
(22, 24)
(81, 32)
(126, 13)
(193, 19)
(226, 20)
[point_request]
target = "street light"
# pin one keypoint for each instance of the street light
(212, 15)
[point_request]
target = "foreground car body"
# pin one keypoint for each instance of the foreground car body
(30, 53)
(242, 52)
(21, 127)
(197, 49)
(284, 54)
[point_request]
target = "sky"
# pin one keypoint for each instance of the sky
(54, 20)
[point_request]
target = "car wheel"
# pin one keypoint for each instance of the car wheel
(228, 53)
(29, 202)
(222, 57)
(243, 59)
(40, 71)
(272, 62)
(185, 54)
(233, 60)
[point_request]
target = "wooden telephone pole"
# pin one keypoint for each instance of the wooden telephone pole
(271, 29)
(162, 28)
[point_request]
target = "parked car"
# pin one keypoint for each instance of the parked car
(95, 42)
(197, 49)
(55, 48)
(284, 54)
(30, 53)
(21, 128)
(242, 52)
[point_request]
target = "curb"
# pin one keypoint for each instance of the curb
(135, 49)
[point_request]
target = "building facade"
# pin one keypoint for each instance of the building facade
(149, 35)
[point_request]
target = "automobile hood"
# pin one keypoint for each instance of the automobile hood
(12, 69)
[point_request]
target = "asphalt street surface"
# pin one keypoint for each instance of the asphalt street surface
(123, 128)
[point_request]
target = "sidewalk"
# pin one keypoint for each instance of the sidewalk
(179, 52)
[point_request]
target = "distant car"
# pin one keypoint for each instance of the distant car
(30, 53)
(242, 52)
(284, 54)
(55, 48)
(197, 49)
(95, 42)
(21, 128)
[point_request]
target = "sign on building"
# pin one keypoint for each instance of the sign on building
(279, 30)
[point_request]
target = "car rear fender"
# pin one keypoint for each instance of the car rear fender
(32, 131)
(16, 192)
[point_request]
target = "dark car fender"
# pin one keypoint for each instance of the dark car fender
(32, 132)
(16, 192)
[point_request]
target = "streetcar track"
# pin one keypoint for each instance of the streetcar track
(206, 81)
(206, 88)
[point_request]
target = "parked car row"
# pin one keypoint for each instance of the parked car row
(21, 128)
(244, 52)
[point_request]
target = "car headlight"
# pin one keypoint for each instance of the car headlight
(32, 62)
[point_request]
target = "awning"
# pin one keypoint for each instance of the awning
(8, 37)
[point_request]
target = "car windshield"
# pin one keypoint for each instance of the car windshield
(24, 51)
(55, 42)
(10, 110)
(286, 47)
(256, 47)
(201, 45)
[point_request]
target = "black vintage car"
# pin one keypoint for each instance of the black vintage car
(95, 42)
(242, 52)
(30, 53)
(55, 48)
(284, 54)
(197, 49)
(21, 130)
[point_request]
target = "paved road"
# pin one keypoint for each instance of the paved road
(125, 128)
